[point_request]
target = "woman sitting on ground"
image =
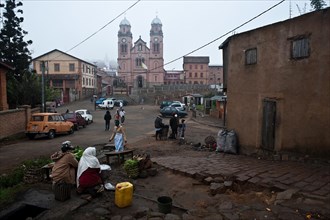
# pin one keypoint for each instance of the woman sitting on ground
(64, 169)
(89, 174)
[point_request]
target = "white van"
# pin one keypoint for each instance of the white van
(107, 104)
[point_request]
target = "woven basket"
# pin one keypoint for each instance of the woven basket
(62, 191)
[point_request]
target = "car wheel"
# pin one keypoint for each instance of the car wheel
(51, 134)
(31, 136)
(88, 121)
(71, 131)
(76, 127)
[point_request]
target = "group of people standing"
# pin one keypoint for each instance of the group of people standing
(85, 174)
(177, 128)
(119, 133)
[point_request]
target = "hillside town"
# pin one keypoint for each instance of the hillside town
(247, 139)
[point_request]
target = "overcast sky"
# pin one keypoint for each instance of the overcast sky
(187, 25)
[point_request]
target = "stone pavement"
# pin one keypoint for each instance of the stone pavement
(308, 179)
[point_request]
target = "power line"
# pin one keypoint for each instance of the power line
(201, 47)
(90, 36)
(104, 26)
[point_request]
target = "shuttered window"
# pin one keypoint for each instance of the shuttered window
(251, 56)
(300, 48)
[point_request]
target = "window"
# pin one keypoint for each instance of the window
(56, 67)
(83, 81)
(196, 67)
(139, 61)
(300, 48)
(57, 82)
(156, 47)
(251, 56)
(190, 75)
(140, 47)
(201, 67)
(202, 75)
(71, 67)
(190, 67)
(196, 75)
(124, 48)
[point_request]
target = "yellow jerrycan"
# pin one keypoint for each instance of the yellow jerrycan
(124, 194)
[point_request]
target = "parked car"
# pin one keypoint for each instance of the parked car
(49, 124)
(165, 103)
(118, 101)
(169, 111)
(99, 101)
(180, 106)
(86, 114)
(107, 104)
(76, 119)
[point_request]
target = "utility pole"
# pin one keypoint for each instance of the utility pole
(43, 86)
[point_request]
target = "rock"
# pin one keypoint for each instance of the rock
(231, 215)
(156, 214)
(287, 194)
(101, 211)
(127, 217)
(208, 180)
(225, 206)
(218, 179)
(141, 212)
(116, 217)
(216, 188)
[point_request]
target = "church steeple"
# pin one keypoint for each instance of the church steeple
(156, 27)
(156, 38)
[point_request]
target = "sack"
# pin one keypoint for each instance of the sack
(221, 140)
(227, 142)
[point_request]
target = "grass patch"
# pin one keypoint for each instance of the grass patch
(13, 183)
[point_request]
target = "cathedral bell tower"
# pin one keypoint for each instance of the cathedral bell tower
(124, 51)
(156, 61)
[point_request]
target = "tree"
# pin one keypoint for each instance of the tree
(14, 51)
(317, 4)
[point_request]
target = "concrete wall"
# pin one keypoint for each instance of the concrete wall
(300, 87)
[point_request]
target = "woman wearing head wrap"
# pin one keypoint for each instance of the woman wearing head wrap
(64, 169)
(88, 175)
(119, 136)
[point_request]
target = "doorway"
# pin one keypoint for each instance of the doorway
(268, 124)
(140, 81)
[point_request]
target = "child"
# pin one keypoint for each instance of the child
(182, 129)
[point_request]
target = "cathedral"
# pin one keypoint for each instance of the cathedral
(140, 66)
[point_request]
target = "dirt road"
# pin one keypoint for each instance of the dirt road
(139, 123)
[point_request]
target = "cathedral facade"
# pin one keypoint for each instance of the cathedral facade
(140, 66)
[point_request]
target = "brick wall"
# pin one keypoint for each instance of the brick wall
(14, 121)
